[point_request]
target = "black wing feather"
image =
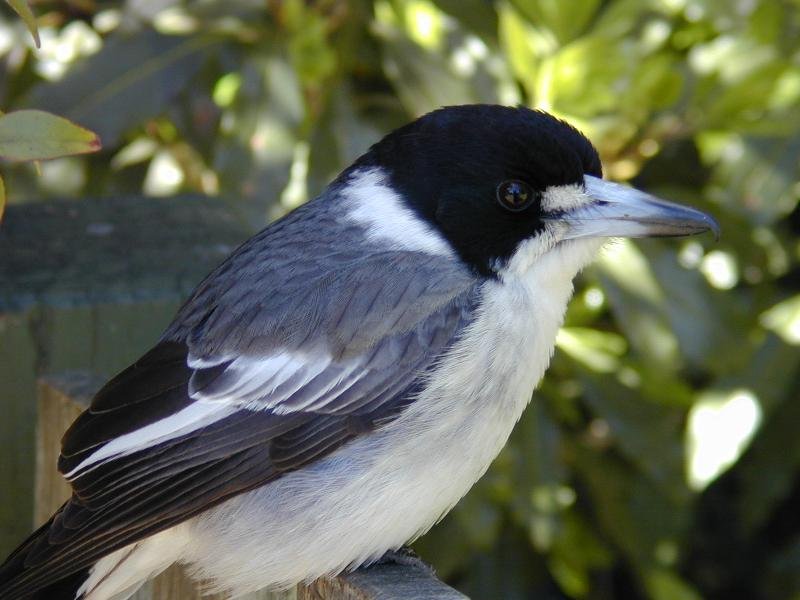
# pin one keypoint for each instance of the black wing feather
(152, 388)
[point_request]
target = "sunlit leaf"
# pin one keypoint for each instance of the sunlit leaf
(524, 48)
(637, 298)
(564, 19)
(719, 428)
(741, 103)
(313, 58)
(586, 76)
(424, 81)
(767, 20)
(622, 18)
(784, 319)
(663, 584)
(38, 135)
(24, 11)
(597, 350)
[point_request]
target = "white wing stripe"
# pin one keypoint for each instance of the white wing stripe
(253, 387)
(254, 381)
(340, 383)
(252, 375)
(190, 418)
(291, 385)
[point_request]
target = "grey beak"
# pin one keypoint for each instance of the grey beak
(621, 211)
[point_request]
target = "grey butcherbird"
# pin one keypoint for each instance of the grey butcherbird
(334, 387)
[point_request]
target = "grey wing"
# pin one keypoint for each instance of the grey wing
(240, 392)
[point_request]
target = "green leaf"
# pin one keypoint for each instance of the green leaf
(783, 572)
(697, 316)
(784, 319)
(577, 553)
(2, 199)
(523, 47)
(38, 135)
(768, 470)
(23, 10)
(341, 134)
(629, 509)
(647, 433)
(424, 81)
(760, 181)
(743, 103)
(133, 78)
(663, 584)
(636, 298)
(587, 76)
(476, 15)
(565, 19)
(597, 350)
(314, 60)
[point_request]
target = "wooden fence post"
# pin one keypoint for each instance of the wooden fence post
(62, 398)
(89, 285)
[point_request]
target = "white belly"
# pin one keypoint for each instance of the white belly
(391, 486)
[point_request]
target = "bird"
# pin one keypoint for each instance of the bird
(334, 387)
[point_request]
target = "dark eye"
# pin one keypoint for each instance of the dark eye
(515, 195)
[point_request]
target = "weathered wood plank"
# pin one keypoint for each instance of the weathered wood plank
(126, 249)
(61, 399)
(381, 582)
(64, 396)
(89, 285)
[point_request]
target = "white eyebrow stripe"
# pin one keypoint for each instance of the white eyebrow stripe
(375, 205)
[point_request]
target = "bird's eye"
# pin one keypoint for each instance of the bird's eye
(515, 195)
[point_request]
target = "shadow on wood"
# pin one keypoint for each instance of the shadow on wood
(62, 398)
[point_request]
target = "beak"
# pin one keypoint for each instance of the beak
(620, 211)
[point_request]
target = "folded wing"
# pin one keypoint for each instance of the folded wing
(207, 415)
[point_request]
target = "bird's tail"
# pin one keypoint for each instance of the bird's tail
(17, 564)
(116, 576)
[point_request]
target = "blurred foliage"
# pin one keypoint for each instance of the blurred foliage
(35, 134)
(660, 456)
(24, 11)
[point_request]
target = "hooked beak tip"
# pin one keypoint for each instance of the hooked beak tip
(713, 226)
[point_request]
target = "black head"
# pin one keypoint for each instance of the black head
(478, 173)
